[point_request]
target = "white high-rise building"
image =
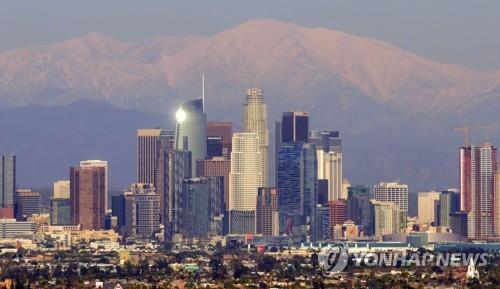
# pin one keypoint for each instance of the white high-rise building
(426, 207)
(61, 189)
(395, 193)
(104, 164)
(329, 155)
(330, 168)
(245, 178)
(255, 121)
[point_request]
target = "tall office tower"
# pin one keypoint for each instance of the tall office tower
(118, 207)
(359, 208)
(396, 193)
(322, 191)
(87, 193)
(255, 121)
(245, 178)
(60, 211)
(267, 214)
(297, 184)
(449, 202)
(191, 130)
(338, 212)
(458, 223)
(154, 150)
(180, 169)
(329, 154)
(321, 227)
(477, 174)
(27, 203)
(497, 203)
(216, 167)
(61, 189)
(295, 127)
(104, 164)
(277, 146)
(142, 213)
(7, 185)
(222, 130)
(427, 203)
(387, 218)
(326, 140)
(202, 208)
(214, 146)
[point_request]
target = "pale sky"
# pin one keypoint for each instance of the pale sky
(457, 31)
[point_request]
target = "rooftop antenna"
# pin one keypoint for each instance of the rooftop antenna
(203, 90)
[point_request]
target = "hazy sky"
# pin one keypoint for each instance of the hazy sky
(458, 31)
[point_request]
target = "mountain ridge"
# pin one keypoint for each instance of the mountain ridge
(289, 60)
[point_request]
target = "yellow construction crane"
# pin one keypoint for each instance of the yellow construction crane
(466, 129)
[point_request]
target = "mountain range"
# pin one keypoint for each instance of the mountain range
(395, 109)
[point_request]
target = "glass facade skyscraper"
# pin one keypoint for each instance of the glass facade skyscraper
(202, 207)
(297, 185)
(191, 131)
(7, 184)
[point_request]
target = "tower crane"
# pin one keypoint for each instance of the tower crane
(467, 128)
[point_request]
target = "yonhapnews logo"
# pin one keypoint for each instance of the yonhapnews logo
(335, 258)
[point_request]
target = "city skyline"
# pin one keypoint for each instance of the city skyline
(260, 144)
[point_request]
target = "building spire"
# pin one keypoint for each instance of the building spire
(203, 91)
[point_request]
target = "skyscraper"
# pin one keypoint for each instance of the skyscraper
(216, 167)
(87, 192)
(191, 130)
(245, 178)
(255, 121)
(395, 193)
(154, 150)
(27, 203)
(180, 169)
(7, 185)
(329, 154)
(61, 189)
(142, 213)
(477, 188)
(497, 203)
(449, 202)
(60, 211)
(277, 146)
(118, 208)
(224, 131)
(104, 164)
(387, 218)
(427, 203)
(202, 207)
(359, 208)
(295, 127)
(297, 184)
(267, 215)
(289, 180)
(338, 212)
(321, 227)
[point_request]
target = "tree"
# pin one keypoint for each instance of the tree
(266, 263)
(314, 260)
(217, 265)
(238, 268)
